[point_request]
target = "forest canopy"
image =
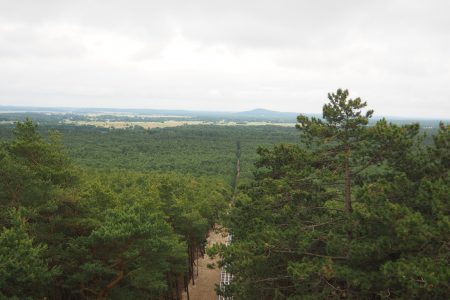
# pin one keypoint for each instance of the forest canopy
(340, 207)
(352, 212)
(69, 234)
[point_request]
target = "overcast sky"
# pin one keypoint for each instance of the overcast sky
(226, 55)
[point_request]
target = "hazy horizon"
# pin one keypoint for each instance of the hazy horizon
(66, 109)
(226, 56)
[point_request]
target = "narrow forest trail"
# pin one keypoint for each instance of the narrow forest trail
(205, 282)
(207, 279)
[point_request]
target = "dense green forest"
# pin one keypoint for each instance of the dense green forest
(200, 150)
(71, 233)
(353, 212)
(90, 212)
(338, 208)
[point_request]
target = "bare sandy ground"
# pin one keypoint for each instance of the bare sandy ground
(207, 278)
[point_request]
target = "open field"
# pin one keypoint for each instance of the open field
(170, 123)
(146, 125)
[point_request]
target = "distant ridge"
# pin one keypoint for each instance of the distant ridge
(266, 113)
(254, 113)
(257, 114)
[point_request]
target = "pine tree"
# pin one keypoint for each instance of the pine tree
(355, 212)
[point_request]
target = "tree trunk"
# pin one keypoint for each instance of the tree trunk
(104, 292)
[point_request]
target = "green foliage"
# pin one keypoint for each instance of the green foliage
(24, 271)
(132, 249)
(203, 150)
(97, 234)
(356, 212)
(359, 210)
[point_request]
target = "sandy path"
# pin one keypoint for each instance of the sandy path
(207, 278)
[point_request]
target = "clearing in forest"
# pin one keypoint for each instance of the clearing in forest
(205, 282)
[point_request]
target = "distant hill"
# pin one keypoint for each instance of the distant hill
(254, 115)
(265, 113)
(258, 114)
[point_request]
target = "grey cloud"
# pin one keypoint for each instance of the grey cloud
(394, 53)
(22, 41)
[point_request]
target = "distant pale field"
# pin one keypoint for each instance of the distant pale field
(172, 123)
(266, 123)
(147, 125)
